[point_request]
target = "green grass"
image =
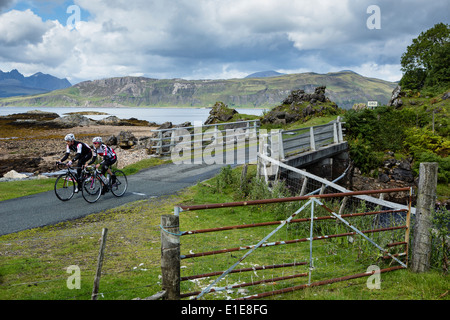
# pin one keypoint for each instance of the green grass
(16, 189)
(21, 188)
(34, 262)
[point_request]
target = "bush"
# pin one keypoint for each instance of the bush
(419, 140)
(363, 155)
(444, 165)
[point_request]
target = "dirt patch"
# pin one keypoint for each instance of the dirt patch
(36, 148)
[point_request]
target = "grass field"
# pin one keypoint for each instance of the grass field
(36, 264)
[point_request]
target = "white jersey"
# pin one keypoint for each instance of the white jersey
(104, 151)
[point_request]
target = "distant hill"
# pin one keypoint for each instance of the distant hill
(264, 74)
(14, 83)
(345, 88)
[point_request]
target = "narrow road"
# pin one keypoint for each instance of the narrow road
(45, 209)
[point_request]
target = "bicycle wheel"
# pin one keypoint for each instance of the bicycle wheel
(91, 188)
(65, 186)
(119, 186)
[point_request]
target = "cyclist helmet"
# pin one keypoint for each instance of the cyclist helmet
(69, 137)
(97, 139)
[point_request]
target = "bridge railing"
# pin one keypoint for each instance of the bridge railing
(164, 138)
(289, 142)
(312, 138)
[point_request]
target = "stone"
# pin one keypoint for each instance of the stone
(383, 178)
(220, 113)
(13, 174)
(126, 139)
(396, 100)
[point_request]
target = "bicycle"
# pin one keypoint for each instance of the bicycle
(95, 184)
(66, 183)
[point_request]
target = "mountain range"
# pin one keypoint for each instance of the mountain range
(261, 90)
(14, 83)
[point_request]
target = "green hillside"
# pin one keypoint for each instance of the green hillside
(345, 88)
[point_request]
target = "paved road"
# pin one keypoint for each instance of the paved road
(45, 209)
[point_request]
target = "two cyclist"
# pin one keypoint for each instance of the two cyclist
(84, 153)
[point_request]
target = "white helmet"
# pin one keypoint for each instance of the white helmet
(69, 137)
(97, 139)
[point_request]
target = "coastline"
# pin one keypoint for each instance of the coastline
(34, 148)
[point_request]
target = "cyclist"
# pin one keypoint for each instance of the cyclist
(108, 154)
(83, 154)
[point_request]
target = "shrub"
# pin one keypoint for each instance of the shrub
(419, 140)
(443, 163)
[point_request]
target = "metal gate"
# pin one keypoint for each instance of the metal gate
(314, 248)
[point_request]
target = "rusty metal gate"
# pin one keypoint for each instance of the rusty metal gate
(293, 259)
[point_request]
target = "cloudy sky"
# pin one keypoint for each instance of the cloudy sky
(210, 39)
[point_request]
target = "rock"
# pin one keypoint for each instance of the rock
(300, 105)
(166, 125)
(74, 120)
(126, 140)
(383, 178)
(398, 170)
(396, 101)
(13, 174)
(446, 95)
(220, 113)
(111, 141)
(111, 120)
(403, 175)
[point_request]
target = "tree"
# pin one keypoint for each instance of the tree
(426, 61)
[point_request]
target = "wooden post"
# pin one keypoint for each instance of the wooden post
(170, 256)
(99, 265)
(312, 142)
(244, 177)
(426, 199)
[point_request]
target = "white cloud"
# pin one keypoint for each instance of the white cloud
(21, 28)
(214, 38)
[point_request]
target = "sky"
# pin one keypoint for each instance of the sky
(210, 39)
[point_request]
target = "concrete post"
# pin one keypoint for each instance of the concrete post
(426, 199)
(170, 256)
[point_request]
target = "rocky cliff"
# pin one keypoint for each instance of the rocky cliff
(345, 88)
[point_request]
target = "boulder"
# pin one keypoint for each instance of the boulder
(220, 113)
(111, 141)
(126, 140)
(396, 170)
(300, 106)
(396, 100)
(74, 120)
(13, 174)
(111, 120)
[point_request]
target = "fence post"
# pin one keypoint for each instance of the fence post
(426, 199)
(312, 141)
(98, 274)
(170, 256)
